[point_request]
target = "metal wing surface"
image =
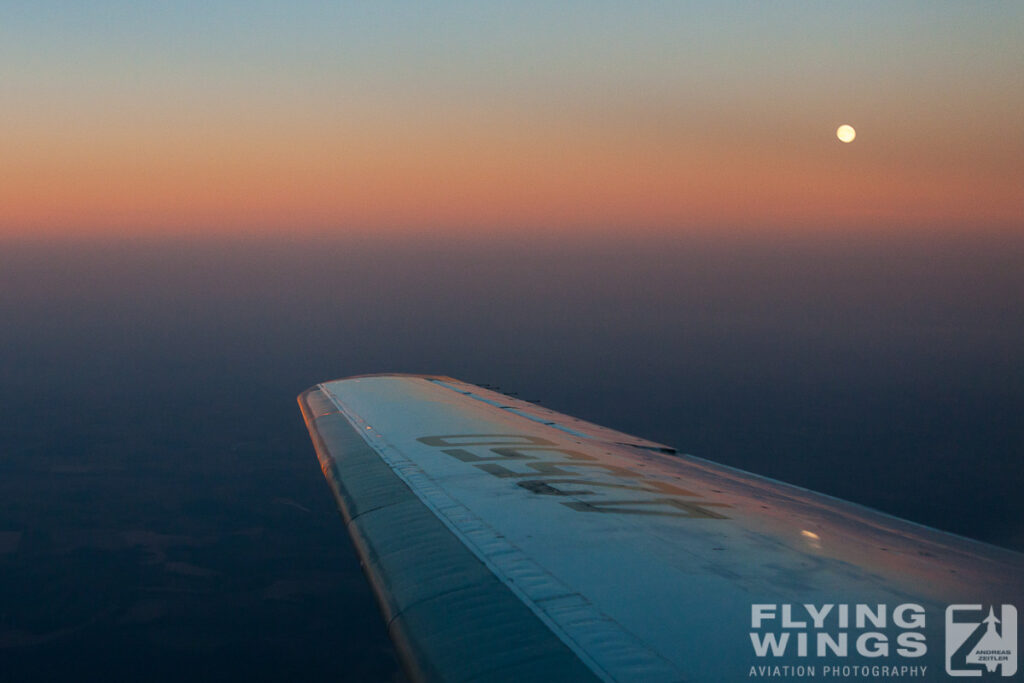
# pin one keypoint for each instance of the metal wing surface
(505, 541)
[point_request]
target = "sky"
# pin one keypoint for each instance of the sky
(137, 118)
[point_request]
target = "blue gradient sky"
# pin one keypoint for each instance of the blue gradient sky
(339, 117)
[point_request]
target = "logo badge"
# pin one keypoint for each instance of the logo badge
(981, 640)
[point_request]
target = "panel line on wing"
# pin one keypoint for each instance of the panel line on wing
(601, 643)
(524, 411)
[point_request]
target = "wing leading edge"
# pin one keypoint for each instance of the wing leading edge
(505, 541)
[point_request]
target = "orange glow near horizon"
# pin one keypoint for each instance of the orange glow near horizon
(460, 120)
(461, 177)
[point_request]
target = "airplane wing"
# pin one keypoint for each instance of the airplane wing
(507, 542)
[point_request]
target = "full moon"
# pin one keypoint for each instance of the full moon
(846, 133)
